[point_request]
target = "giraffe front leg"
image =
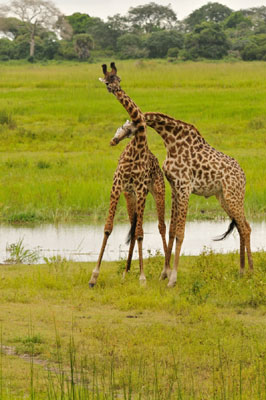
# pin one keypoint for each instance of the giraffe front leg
(158, 192)
(166, 272)
(131, 209)
(96, 271)
(141, 199)
(182, 206)
(115, 194)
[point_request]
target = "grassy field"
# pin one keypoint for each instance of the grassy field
(204, 339)
(56, 121)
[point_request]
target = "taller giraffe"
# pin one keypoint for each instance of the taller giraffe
(138, 172)
(193, 166)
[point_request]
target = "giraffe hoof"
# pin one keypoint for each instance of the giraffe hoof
(165, 274)
(91, 285)
(171, 284)
(142, 282)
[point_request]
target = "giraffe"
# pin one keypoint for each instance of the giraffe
(138, 172)
(192, 166)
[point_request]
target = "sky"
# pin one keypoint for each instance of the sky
(105, 8)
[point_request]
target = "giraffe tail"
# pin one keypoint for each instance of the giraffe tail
(229, 230)
(132, 230)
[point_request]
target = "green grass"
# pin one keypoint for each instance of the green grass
(56, 121)
(204, 339)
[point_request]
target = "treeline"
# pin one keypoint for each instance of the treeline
(213, 31)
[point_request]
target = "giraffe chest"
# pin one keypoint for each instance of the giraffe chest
(133, 175)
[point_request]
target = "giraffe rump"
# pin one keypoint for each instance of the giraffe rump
(229, 230)
(132, 230)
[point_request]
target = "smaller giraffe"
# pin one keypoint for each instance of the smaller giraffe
(138, 172)
(193, 166)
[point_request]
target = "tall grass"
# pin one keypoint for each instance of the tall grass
(56, 121)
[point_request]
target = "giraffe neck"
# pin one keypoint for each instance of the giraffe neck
(140, 138)
(172, 130)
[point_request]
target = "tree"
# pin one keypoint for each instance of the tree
(211, 12)
(94, 26)
(255, 49)
(151, 17)
(83, 43)
(12, 27)
(130, 45)
(160, 42)
(66, 50)
(79, 22)
(35, 14)
(235, 19)
(208, 41)
(117, 26)
(6, 49)
(257, 15)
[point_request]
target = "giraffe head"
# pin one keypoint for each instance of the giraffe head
(125, 131)
(111, 80)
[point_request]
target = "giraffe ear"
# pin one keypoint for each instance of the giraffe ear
(114, 70)
(104, 68)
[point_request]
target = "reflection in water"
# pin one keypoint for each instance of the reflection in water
(83, 242)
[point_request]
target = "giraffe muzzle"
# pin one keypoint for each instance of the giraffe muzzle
(114, 142)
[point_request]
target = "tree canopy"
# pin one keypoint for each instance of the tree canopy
(36, 29)
(151, 17)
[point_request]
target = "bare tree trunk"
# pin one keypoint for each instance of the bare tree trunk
(32, 41)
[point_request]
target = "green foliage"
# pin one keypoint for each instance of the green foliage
(208, 41)
(158, 43)
(79, 22)
(6, 49)
(151, 17)
(18, 254)
(148, 30)
(21, 47)
(255, 49)
(83, 43)
(173, 52)
(235, 19)
(130, 45)
(67, 50)
(211, 12)
(7, 119)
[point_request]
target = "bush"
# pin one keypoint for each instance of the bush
(160, 42)
(173, 52)
(6, 49)
(131, 46)
(208, 41)
(255, 49)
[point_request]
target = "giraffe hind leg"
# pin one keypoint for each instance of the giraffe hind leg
(158, 193)
(131, 209)
(131, 239)
(247, 244)
(236, 212)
